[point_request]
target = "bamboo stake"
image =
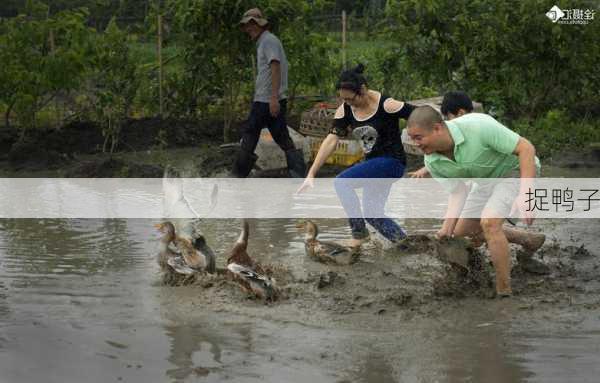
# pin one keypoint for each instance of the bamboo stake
(51, 41)
(344, 39)
(160, 66)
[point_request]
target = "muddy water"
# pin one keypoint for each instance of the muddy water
(81, 301)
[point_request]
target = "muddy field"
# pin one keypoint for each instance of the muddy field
(393, 283)
(92, 299)
(84, 300)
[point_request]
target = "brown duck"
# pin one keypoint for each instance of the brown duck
(327, 252)
(164, 251)
(250, 275)
(195, 256)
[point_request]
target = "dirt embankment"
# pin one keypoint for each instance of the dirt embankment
(62, 148)
(75, 150)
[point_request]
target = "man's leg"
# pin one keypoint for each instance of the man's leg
(469, 227)
(531, 242)
(499, 251)
(246, 158)
(294, 157)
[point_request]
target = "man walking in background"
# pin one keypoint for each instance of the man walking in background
(269, 104)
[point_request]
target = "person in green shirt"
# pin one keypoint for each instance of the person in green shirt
(475, 145)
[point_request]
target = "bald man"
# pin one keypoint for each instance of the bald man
(475, 145)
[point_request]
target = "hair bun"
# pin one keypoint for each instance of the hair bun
(360, 68)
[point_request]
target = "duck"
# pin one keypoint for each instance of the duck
(194, 257)
(164, 251)
(250, 275)
(326, 252)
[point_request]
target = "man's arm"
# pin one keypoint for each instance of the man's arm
(456, 202)
(275, 84)
(526, 153)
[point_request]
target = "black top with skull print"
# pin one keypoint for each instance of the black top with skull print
(379, 134)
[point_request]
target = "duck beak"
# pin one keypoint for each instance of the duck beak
(158, 226)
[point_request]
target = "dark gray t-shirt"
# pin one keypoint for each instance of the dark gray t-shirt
(269, 48)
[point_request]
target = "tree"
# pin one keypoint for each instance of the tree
(114, 83)
(42, 56)
(215, 53)
(507, 54)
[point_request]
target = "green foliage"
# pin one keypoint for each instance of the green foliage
(508, 55)
(555, 133)
(114, 83)
(215, 55)
(41, 57)
(505, 53)
(309, 54)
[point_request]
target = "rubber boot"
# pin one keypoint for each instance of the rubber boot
(296, 164)
(243, 164)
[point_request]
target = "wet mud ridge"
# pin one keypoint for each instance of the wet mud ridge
(395, 282)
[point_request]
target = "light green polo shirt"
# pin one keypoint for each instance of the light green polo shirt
(483, 148)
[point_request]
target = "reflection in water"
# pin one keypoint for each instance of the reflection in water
(41, 263)
(477, 346)
(4, 307)
(193, 350)
(375, 368)
(35, 247)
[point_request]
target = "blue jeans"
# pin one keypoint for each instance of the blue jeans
(374, 196)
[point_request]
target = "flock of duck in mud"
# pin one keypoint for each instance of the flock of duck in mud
(184, 254)
(191, 256)
(185, 257)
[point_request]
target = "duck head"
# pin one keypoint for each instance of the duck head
(310, 229)
(168, 231)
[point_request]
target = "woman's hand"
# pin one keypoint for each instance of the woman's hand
(309, 182)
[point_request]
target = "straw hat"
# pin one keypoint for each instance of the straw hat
(254, 14)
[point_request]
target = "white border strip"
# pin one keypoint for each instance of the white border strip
(158, 198)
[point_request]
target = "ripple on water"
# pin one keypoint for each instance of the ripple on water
(32, 247)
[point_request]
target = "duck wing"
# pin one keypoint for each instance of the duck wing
(248, 274)
(333, 252)
(179, 266)
(261, 285)
(176, 206)
(202, 247)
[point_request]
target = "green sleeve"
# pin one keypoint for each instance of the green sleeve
(498, 137)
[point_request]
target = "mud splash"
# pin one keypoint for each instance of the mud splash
(390, 283)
